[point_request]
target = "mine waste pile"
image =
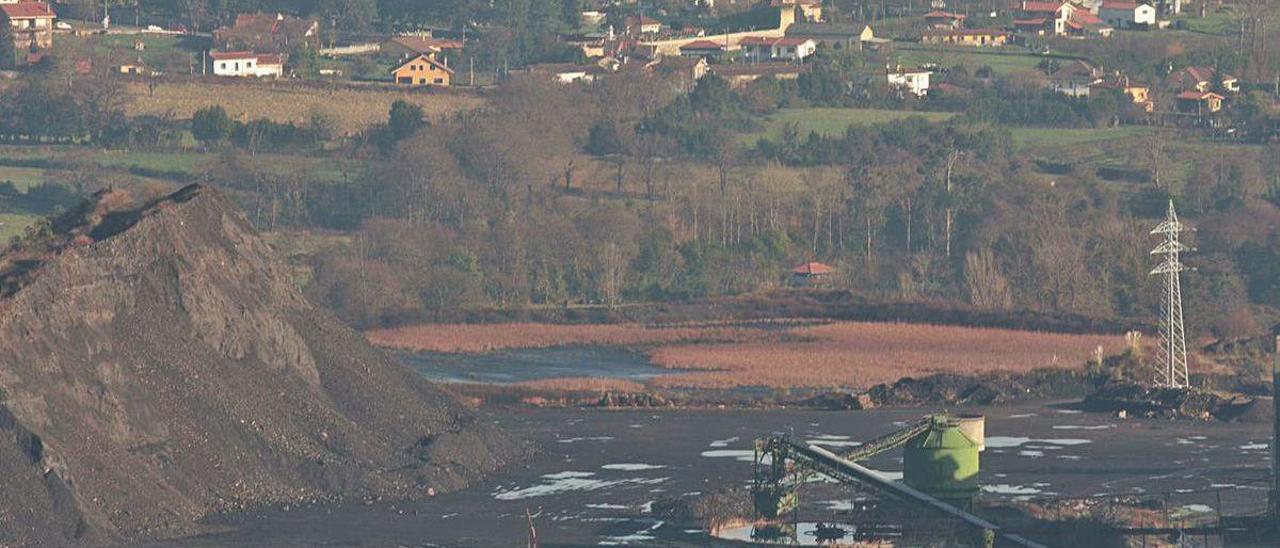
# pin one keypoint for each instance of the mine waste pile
(157, 366)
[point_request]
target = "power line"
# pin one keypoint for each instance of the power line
(1173, 339)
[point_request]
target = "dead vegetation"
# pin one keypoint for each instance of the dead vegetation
(477, 338)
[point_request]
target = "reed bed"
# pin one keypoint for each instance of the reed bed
(858, 355)
(473, 338)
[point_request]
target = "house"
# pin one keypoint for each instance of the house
(705, 49)
(810, 11)
(1127, 15)
(1199, 102)
(760, 48)
(966, 37)
(812, 274)
(246, 64)
(834, 36)
(938, 19)
(742, 74)
(1052, 15)
(423, 70)
(1075, 78)
(404, 47)
(640, 24)
(1202, 79)
(31, 24)
(1139, 94)
(1082, 22)
(913, 81)
(1034, 26)
(271, 32)
(687, 70)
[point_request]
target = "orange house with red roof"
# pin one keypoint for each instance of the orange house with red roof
(812, 274)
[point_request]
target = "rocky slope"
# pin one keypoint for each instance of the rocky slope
(158, 365)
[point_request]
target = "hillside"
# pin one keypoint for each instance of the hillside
(157, 365)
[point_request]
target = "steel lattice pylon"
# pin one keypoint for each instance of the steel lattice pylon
(1173, 340)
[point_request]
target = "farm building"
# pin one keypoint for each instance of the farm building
(272, 32)
(246, 64)
(812, 274)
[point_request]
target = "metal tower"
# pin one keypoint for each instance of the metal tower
(1173, 341)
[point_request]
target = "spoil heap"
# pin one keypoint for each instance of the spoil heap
(158, 365)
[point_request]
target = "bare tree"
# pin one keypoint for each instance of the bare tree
(988, 288)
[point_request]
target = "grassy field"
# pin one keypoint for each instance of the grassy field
(849, 355)
(12, 224)
(1008, 60)
(22, 177)
(352, 108)
(833, 121)
(1035, 137)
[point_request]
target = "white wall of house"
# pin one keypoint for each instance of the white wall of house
(795, 53)
(1126, 18)
(916, 83)
(246, 67)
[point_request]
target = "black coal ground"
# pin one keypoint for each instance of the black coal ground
(600, 469)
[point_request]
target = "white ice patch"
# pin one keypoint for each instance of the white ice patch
(744, 455)
(1012, 490)
(1029, 453)
(603, 506)
(1070, 411)
(568, 482)
(1007, 442)
(1251, 446)
(1022, 416)
(633, 467)
(1198, 508)
(593, 438)
(724, 442)
(1082, 427)
(641, 536)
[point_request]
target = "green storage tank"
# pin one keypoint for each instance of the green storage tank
(943, 462)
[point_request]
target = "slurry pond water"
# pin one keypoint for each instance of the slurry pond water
(529, 364)
(600, 473)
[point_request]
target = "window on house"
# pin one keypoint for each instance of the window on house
(440, 81)
(422, 80)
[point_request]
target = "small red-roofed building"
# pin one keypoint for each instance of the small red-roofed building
(812, 274)
(705, 49)
(1199, 102)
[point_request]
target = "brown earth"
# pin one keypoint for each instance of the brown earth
(157, 366)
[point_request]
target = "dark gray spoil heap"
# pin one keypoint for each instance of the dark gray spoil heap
(158, 365)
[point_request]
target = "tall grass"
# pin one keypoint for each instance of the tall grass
(475, 338)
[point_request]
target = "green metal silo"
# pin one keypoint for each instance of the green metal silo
(943, 462)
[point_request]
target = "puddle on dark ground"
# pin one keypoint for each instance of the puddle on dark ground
(602, 470)
(530, 364)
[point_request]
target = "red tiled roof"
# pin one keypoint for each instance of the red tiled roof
(27, 10)
(756, 41)
(423, 57)
(1127, 6)
(790, 41)
(1085, 18)
(270, 59)
(702, 44)
(813, 268)
(1041, 7)
(1037, 21)
(229, 55)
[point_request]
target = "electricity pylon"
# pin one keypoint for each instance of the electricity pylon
(1173, 339)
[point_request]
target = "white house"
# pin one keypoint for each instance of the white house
(246, 64)
(760, 48)
(1127, 15)
(914, 81)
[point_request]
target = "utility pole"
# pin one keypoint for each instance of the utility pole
(1274, 498)
(1173, 339)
